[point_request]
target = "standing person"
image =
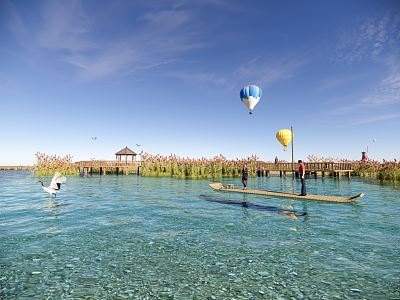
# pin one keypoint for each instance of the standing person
(276, 159)
(363, 156)
(302, 173)
(245, 176)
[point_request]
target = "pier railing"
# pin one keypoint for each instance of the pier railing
(312, 167)
(107, 164)
(264, 166)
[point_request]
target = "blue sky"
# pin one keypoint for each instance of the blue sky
(167, 75)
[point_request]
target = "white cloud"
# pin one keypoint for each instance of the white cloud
(385, 92)
(375, 119)
(376, 41)
(372, 38)
(267, 72)
(342, 80)
(68, 33)
(65, 27)
(200, 77)
(104, 63)
(167, 19)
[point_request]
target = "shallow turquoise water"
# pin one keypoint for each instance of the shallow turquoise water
(116, 237)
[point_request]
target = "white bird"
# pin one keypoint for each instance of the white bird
(55, 184)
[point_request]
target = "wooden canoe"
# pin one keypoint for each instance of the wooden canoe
(219, 187)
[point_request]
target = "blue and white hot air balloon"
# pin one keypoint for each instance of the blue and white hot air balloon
(250, 96)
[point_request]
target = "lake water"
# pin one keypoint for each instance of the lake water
(131, 237)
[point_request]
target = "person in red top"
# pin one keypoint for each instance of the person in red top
(302, 173)
(364, 156)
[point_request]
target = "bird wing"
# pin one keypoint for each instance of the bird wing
(57, 180)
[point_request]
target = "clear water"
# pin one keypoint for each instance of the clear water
(128, 237)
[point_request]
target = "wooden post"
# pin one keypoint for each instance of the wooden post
(117, 171)
(349, 175)
(291, 129)
(323, 174)
(280, 173)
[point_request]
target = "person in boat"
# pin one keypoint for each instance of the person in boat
(302, 173)
(245, 176)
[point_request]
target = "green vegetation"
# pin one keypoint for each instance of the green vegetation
(47, 165)
(174, 166)
(216, 167)
(387, 170)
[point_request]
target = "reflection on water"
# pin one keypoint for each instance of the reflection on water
(246, 204)
(117, 237)
(54, 205)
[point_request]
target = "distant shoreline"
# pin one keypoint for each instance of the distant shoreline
(15, 168)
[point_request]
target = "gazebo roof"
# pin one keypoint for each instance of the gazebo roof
(125, 151)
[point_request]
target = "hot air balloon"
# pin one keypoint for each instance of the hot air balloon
(250, 95)
(284, 136)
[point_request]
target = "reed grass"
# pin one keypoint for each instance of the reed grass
(179, 167)
(216, 167)
(47, 165)
(386, 170)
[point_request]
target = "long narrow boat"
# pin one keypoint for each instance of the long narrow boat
(229, 188)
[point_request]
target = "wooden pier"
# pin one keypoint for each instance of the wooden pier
(312, 169)
(104, 167)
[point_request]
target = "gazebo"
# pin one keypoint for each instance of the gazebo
(125, 152)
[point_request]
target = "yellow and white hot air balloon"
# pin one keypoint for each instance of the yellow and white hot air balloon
(284, 136)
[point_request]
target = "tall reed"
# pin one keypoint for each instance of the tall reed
(47, 165)
(387, 170)
(175, 166)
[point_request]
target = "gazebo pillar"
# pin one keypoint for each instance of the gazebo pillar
(125, 152)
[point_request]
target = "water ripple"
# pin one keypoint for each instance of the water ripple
(131, 237)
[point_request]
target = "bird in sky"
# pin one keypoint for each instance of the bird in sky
(138, 145)
(94, 138)
(55, 184)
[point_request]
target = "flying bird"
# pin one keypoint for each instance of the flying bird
(138, 145)
(94, 138)
(55, 184)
